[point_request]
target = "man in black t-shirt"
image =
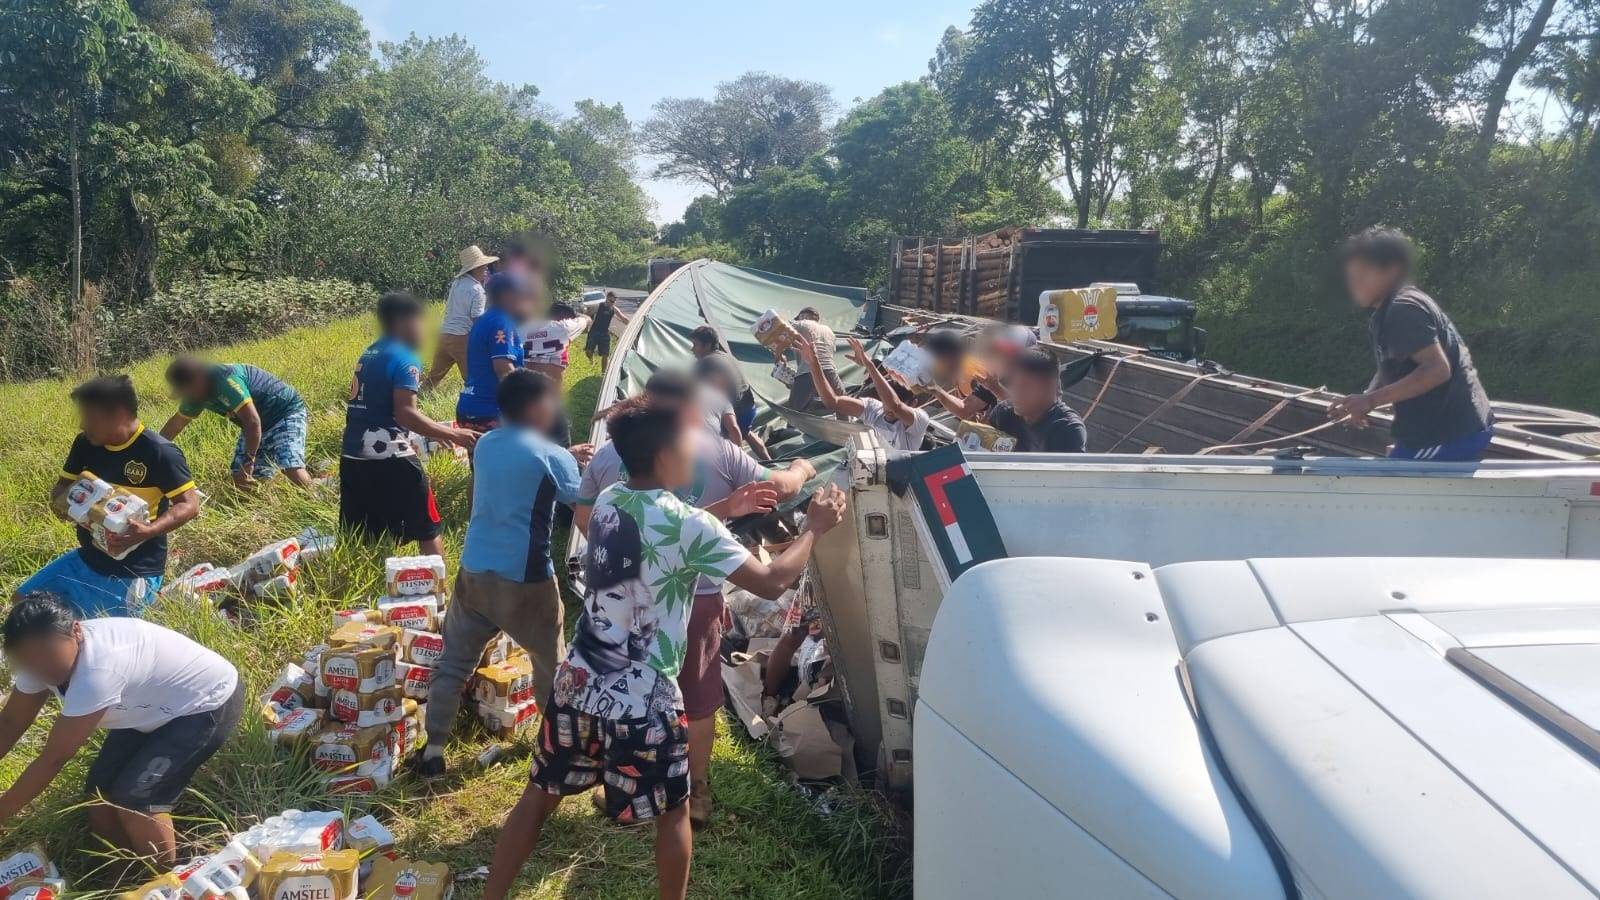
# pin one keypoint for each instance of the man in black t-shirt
(1035, 414)
(115, 447)
(1441, 412)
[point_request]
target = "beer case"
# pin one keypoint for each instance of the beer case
(408, 879)
(296, 726)
(366, 708)
(505, 684)
(977, 437)
(1080, 314)
(369, 837)
(413, 680)
(330, 875)
(352, 634)
(358, 668)
(421, 648)
(912, 364)
(507, 722)
(164, 887)
(347, 749)
(30, 862)
(421, 613)
(774, 332)
(364, 616)
(413, 576)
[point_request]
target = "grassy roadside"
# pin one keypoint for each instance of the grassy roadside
(765, 842)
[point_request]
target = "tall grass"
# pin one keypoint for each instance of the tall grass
(767, 840)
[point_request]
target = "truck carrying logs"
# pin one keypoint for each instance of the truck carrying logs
(1000, 275)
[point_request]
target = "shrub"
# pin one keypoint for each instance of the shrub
(36, 341)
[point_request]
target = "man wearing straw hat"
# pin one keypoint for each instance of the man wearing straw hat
(462, 307)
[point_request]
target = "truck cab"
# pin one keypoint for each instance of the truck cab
(1163, 326)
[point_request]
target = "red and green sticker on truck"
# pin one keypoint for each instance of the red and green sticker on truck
(952, 506)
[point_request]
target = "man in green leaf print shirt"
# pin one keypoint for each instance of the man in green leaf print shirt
(616, 716)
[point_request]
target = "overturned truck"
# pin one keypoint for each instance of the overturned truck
(1127, 660)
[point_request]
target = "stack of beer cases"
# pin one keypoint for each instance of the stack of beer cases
(355, 699)
(503, 689)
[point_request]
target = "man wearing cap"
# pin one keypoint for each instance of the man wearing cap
(462, 307)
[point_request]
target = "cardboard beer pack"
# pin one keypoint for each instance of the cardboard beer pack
(366, 708)
(507, 723)
(38, 889)
(407, 879)
(347, 749)
(27, 863)
(413, 680)
(295, 726)
(774, 332)
(505, 684)
(410, 733)
(421, 613)
(200, 582)
(1078, 315)
(358, 667)
(368, 837)
(294, 689)
(347, 785)
(976, 437)
(164, 887)
(362, 634)
(421, 648)
(413, 576)
(100, 507)
(364, 616)
(330, 875)
(498, 650)
(912, 364)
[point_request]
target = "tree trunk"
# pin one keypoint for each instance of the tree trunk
(80, 356)
(140, 248)
(1506, 75)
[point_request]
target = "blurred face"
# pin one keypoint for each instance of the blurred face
(1369, 284)
(48, 658)
(104, 426)
(702, 349)
(407, 330)
(1033, 393)
(194, 389)
(536, 415)
(675, 462)
(480, 274)
(521, 305)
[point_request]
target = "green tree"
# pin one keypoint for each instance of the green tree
(1069, 75)
(754, 122)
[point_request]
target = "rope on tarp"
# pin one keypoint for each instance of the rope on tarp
(1104, 386)
(1263, 419)
(1269, 441)
(1174, 400)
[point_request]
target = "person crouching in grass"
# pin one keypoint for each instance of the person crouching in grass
(616, 715)
(167, 705)
(114, 446)
(270, 415)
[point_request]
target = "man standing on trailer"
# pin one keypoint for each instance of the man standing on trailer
(1441, 412)
(1035, 414)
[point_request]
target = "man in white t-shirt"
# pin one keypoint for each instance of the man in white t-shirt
(167, 704)
(545, 344)
(462, 306)
(891, 414)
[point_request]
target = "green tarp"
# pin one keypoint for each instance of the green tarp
(730, 299)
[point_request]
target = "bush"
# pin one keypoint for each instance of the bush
(36, 340)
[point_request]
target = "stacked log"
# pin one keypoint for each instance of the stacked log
(968, 276)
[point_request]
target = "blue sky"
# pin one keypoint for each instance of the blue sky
(637, 52)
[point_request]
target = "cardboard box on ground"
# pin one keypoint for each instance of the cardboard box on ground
(273, 570)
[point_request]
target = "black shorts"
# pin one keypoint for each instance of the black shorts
(599, 342)
(644, 763)
(387, 497)
(148, 771)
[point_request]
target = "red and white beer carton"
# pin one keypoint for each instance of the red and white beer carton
(414, 576)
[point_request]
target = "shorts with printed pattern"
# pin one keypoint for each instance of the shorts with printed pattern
(643, 763)
(283, 446)
(148, 771)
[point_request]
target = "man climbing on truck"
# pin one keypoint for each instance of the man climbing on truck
(1425, 370)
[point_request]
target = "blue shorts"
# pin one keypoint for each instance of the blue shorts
(1462, 449)
(91, 594)
(283, 446)
(744, 412)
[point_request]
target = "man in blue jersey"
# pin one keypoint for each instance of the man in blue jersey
(507, 582)
(382, 487)
(494, 349)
